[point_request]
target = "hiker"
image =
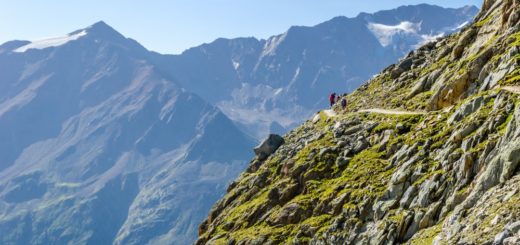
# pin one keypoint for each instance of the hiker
(332, 99)
(344, 103)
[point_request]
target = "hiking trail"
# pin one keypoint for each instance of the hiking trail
(512, 89)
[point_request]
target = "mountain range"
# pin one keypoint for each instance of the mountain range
(98, 146)
(272, 85)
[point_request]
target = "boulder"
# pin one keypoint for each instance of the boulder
(500, 237)
(513, 227)
(466, 109)
(342, 161)
(290, 214)
(408, 196)
(476, 65)
(460, 134)
(450, 92)
(463, 43)
(406, 64)
(268, 146)
(400, 128)
(414, 225)
(424, 83)
(387, 135)
(514, 240)
(352, 130)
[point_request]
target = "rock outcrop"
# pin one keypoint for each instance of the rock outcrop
(447, 175)
(268, 146)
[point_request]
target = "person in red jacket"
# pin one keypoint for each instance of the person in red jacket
(332, 99)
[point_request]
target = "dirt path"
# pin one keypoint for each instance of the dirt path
(330, 113)
(392, 112)
(512, 89)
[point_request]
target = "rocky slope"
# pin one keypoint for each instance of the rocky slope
(444, 172)
(275, 84)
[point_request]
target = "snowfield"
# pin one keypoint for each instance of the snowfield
(51, 42)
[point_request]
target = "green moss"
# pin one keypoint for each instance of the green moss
(434, 66)
(512, 78)
(276, 234)
(440, 134)
(502, 127)
(384, 126)
(245, 208)
(426, 236)
(515, 39)
(484, 21)
(420, 101)
(326, 141)
(428, 175)
(480, 147)
(321, 222)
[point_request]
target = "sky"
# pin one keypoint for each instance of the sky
(171, 26)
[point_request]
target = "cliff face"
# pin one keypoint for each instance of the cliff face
(427, 152)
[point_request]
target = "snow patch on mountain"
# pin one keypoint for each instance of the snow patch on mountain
(51, 42)
(385, 33)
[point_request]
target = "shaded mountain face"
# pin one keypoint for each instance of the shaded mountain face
(279, 82)
(99, 147)
(428, 152)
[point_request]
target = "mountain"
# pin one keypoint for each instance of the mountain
(275, 84)
(426, 152)
(99, 146)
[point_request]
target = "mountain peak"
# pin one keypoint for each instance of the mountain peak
(102, 30)
(101, 26)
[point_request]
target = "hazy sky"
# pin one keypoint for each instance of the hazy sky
(170, 26)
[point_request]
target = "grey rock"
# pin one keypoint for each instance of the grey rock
(463, 43)
(514, 240)
(381, 207)
(423, 197)
(400, 127)
(360, 146)
(338, 202)
(341, 144)
(268, 146)
(500, 237)
(387, 135)
(370, 126)
(408, 196)
(429, 217)
(405, 64)
(352, 130)
(290, 214)
(466, 109)
(325, 151)
(424, 83)
(342, 161)
(475, 66)
(414, 225)
(513, 227)
(460, 134)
